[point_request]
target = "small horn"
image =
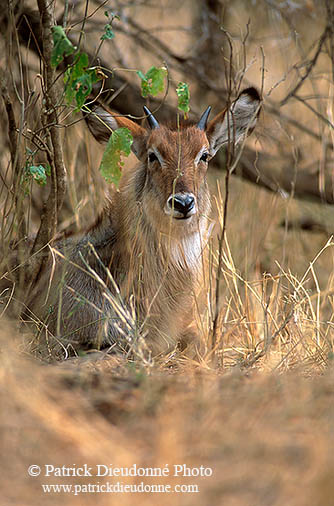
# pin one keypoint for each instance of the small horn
(151, 119)
(204, 119)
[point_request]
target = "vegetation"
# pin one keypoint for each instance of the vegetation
(253, 400)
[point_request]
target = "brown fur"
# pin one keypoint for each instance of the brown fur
(154, 259)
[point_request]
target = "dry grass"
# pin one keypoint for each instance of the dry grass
(258, 412)
(267, 437)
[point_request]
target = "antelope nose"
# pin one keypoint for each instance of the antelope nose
(182, 204)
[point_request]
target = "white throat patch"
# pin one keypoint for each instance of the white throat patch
(187, 252)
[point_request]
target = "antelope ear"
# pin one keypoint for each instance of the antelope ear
(102, 122)
(234, 124)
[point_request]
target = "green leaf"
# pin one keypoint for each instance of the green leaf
(48, 169)
(183, 94)
(79, 65)
(108, 33)
(152, 82)
(38, 173)
(62, 46)
(79, 80)
(72, 74)
(141, 75)
(113, 16)
(119, 145)
(83, 87)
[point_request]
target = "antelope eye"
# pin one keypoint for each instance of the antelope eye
(152, 157)
(204, 157)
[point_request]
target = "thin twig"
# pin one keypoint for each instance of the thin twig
(309, 67)
(230, 152)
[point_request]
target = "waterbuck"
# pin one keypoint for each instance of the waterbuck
(138, 267)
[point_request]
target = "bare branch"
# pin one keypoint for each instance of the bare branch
(309, 66)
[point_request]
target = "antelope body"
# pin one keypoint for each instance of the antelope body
(143, 256)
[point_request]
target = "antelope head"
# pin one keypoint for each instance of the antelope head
(170, 182)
